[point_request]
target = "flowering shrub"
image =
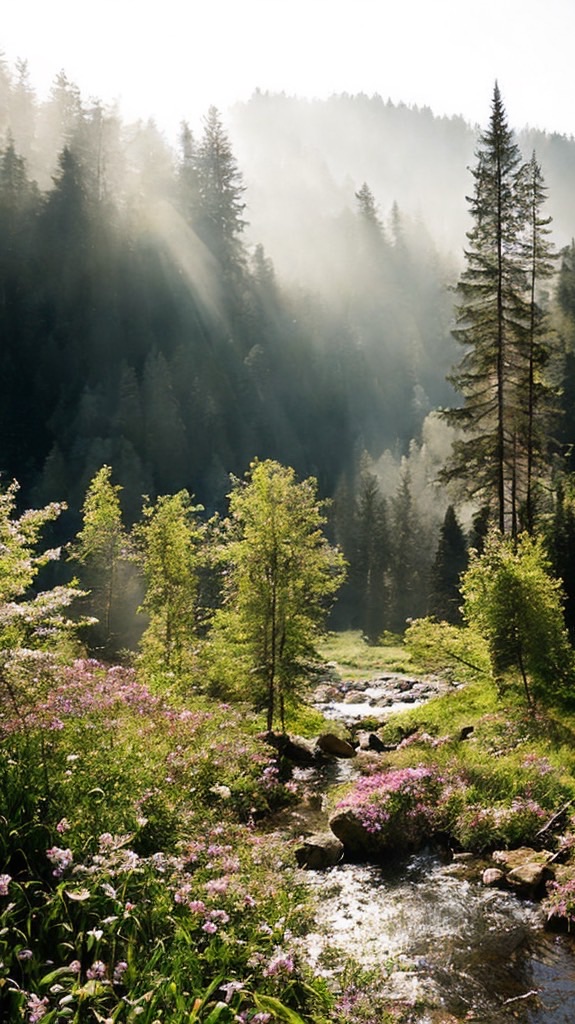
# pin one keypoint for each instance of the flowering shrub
(130, 890)
(482, 828)
(402, 806)
(100, 750)
(476, 806)
(559, 903)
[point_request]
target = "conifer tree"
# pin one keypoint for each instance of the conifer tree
(220, 223)
(490, 292)
(449, 563)
(409, 561)
(370, 557)
(539, 397)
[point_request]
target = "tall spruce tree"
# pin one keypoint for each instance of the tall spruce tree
(370, 557)
(539, 397)
(220, 220)
(449, 563)
(490, 319)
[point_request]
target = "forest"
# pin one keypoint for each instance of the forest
(253, 385)
(146, 326)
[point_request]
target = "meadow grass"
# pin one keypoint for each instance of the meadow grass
(354, 658)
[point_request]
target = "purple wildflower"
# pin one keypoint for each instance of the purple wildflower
(230, 988)
(280, 964)
(97, 972)
(36, 1008)
(61, 859)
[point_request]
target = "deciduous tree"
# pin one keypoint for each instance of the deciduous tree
(282, 573)
(168, 540)
(512, 599)
(102, 548)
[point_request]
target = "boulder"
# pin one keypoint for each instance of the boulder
(528, 879)
(357, 841)
(332, 745)
(319, 851)
(493, 876)
(295, 748)
(525, 870)
(371, 741)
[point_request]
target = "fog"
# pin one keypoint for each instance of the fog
(298, 306)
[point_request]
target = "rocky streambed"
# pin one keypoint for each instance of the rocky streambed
(376, 697)
(456, 938)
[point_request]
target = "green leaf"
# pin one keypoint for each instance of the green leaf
(273, 1005)
(216, 1012)
(49, 978)
(78, 894)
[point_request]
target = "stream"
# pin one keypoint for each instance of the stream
(441, 938)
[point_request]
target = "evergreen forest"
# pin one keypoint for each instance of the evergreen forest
(276, 288)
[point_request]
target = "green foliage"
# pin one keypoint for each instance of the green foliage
(36, 628)
(512, 600)
(442, 647)
(281, 574)
(130, 889)
(507, 402)
(102, 548)
(169, 538)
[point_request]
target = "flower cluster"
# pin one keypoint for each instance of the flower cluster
(560, 902)
(399, 806)
(61, 859)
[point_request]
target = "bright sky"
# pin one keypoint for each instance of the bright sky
(171, 59)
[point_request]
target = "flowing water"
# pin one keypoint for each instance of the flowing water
(441, 937)
(445, 939)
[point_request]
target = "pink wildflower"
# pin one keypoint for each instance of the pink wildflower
(36, 1008)
(97, 972)
(280, 964)
(62, 860)
(216, 886)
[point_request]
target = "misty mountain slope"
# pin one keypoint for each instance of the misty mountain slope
(144, 327)
(303, 160)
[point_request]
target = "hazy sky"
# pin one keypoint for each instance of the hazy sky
(171, 59)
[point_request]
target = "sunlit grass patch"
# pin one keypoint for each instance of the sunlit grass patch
(356, 659)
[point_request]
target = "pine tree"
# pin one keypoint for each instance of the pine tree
(409, 561)
(490, 318)
(370, 557)
(449, 563)
(539, 397)
(220, 222)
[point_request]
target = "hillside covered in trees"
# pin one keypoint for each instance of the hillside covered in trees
(277, 287)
